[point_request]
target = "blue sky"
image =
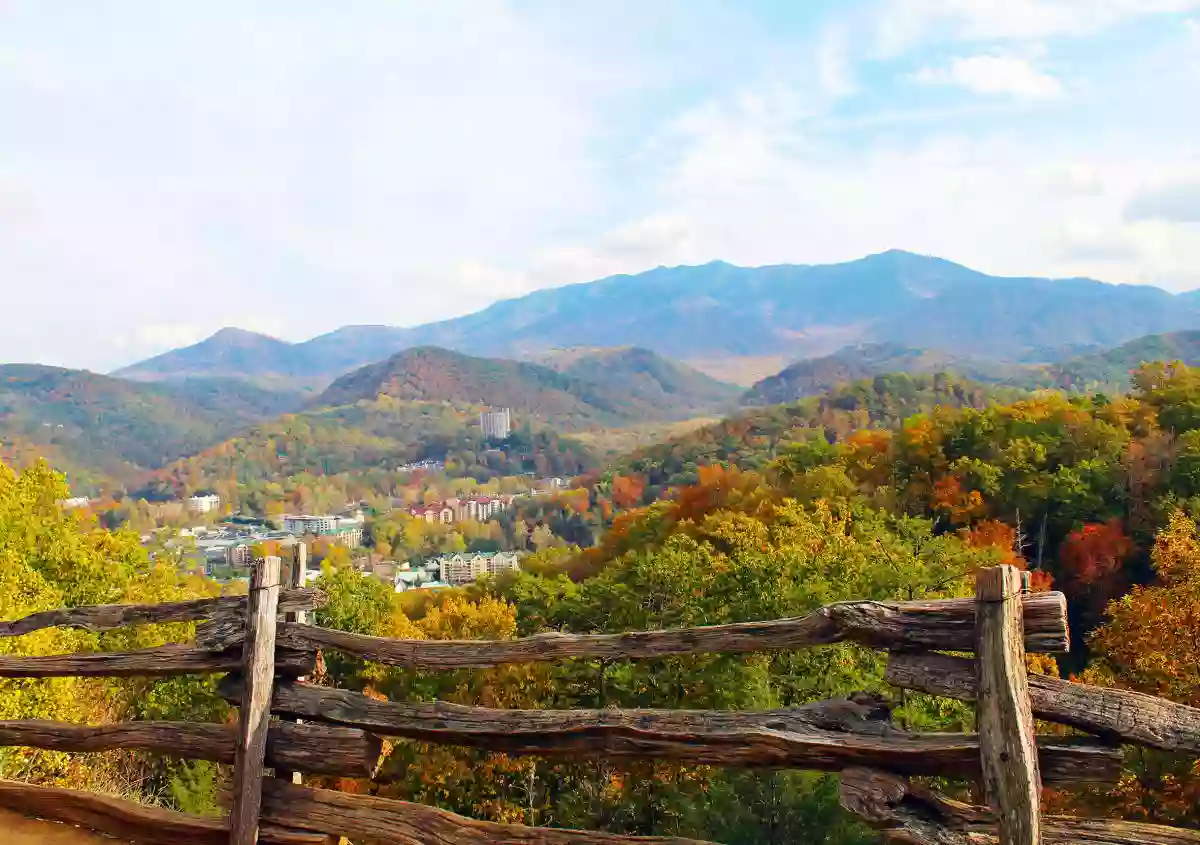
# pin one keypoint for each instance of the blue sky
(167, 168)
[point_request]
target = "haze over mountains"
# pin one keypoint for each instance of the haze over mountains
(765, 317)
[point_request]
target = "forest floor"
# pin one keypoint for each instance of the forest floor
(15, 829)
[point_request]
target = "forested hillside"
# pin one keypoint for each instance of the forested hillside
(101, 428)
(753, 438)
(644, 384)
(367, 438)
(1111, 369)
(814, 376)
(613, 388)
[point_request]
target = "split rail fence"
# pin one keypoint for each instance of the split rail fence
(266, 660)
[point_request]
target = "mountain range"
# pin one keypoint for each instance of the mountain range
(1100, 370)
(100, 427)
(718, 314)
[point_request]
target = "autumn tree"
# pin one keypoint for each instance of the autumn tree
(1151, 643)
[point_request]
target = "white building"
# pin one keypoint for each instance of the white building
(75, 502)
(465, 568)
(203, 504)
(496, 425)
(346, 530)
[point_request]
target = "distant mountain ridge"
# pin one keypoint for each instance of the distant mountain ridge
(720, 311)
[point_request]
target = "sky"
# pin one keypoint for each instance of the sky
(291, 166)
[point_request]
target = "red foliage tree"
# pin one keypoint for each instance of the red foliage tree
(1093, 559)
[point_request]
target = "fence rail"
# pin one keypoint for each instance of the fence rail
(265, 661)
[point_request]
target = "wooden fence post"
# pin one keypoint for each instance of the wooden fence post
(299, 573)
(254, 716)
(1007, 744)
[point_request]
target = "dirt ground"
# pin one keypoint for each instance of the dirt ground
(18, 830)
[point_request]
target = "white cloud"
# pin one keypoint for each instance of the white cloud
(628, 248)
(992, 74)
(905, 23)
(291, 168)
(1176, 200)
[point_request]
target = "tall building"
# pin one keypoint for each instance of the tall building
(203, 504)
(496, 424)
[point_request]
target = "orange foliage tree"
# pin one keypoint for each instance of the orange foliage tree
(1151, 643)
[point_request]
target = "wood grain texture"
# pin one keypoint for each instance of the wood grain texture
(130, 822)
(942, 624)
(389, 822)
(295, 578)
(106, 617)
(114, 817)
(254, 714)
(920, 817)
(1130, 717)
(1007, 743)
(317, 749)
(149, 662)
(826, 736)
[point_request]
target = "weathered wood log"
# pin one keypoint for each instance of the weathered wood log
(149, 662)
(130, 822)
(939, 624)
(323, 749)
(254, 712)
(317, 749)
(1115, 714)
(105, 617)
(919, 817)
(297, 574)
(390, 822)
(799, 738)
(1007, 742)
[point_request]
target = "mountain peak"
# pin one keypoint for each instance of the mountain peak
(232, 335)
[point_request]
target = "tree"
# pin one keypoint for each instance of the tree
(50, 558)
(1150, 643)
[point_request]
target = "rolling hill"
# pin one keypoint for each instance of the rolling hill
(608, 387)
(718, 312)
(647, 379)
(96, 426)
(814, 376)
(1110, 368)
(753, 437)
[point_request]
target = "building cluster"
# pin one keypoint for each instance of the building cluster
(478, 508)
(424, 466)
(232, 545)
(346, 530)
(460, 569)
(496, 424)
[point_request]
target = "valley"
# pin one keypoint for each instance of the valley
(446, 493)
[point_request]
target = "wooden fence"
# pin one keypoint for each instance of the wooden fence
(327, 731)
